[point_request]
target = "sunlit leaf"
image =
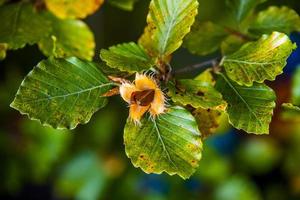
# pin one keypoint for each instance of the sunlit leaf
(68, 38)
(123, 4)
(62, 92)
(249, 108)
(204, 38)
(242, 8)
(206, 76)
(259, 61)
(169, 143)
(168, 22)
(21, 25)
(296, 87)
(208, 120)
(128, 57)
(73, 8)
(3, 48)
(281, 19)
(196, 93)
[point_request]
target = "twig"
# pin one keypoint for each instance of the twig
(205, 64)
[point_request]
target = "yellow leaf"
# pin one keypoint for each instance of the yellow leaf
(73, 8)
(168, 22)
(208, 120)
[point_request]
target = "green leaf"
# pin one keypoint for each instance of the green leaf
(3, 48)
(231, 44)
(62, 92)
(259, 61)
(290, 112)
(123, 4)
(169, 143)
(196, 93)
(296, 87)
(240, 9)
(206, 76)
(208, 120)
(112, 71)
(128, 57)
(73, 8)
(204, 38)
(168, 22)
(68, 38)
(249, 108)
(281, 19)
(21, 25)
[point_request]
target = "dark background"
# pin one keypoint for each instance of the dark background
(90, 163)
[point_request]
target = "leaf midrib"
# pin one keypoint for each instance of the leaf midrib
(16, 20)
(170, 27)
(163, 144)
(243, 100)
(72, 93)
(250, 62)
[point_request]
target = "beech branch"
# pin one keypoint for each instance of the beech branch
(203, 65)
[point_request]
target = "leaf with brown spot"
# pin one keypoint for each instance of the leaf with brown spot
(170, 143)
(249, 108)
(260, 60)
(206, 76)
(62, 93)
(168, 22)
(198, 94)
(208, 120)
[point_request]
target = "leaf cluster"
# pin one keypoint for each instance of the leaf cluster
(65, 91)
(54, 25)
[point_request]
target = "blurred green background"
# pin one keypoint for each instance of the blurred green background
(90, 163)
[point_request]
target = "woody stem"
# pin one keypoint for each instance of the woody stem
(206, 64)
